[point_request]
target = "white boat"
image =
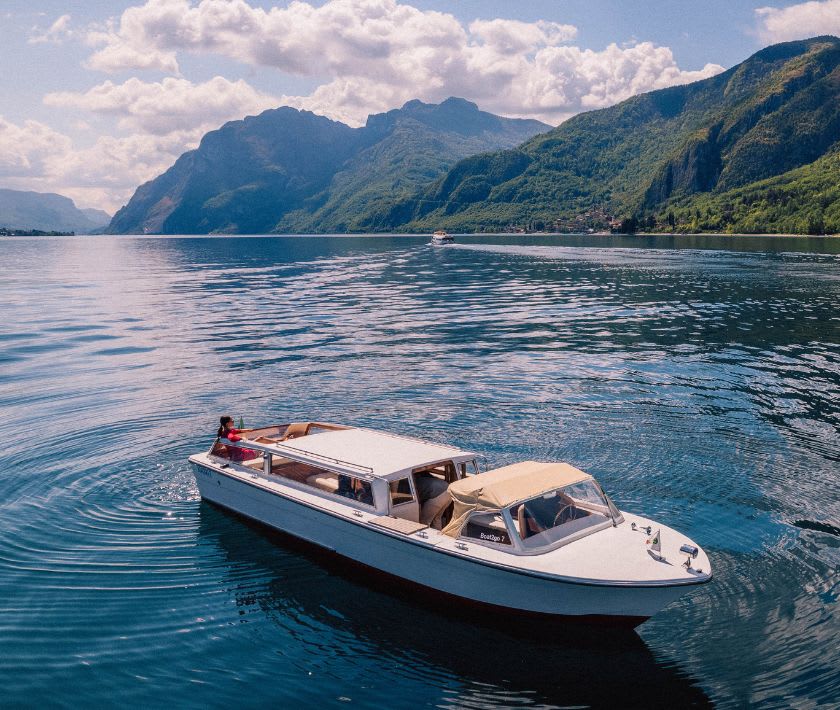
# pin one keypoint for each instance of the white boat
(532, 538)
(441, 237)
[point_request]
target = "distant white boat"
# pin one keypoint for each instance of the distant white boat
(530, 538)
(441, 237)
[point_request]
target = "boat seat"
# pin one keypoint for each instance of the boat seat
(220, 450)
(325, 481)
(432, 509)
(522, 523)
(295, 430)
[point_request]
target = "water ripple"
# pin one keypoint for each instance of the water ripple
(699, 385)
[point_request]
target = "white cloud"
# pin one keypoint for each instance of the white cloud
(807, 19)
(120, 164)
(513, 36)
(160, 108)
(106, 174)
(56, 33)
(360, 57)
(372, 55)
(556, 84)
(36, 157)
(30, 150)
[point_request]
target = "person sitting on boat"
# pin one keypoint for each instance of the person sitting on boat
(428, 486)
(355, 488)
(229, 432)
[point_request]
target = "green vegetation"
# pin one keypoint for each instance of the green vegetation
(754, 149)
(708, 147)
(802, 201)
(292, 171)
(6, 232)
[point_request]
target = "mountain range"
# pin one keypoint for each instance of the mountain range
(47, 211)
(293, 171)
(753, 149)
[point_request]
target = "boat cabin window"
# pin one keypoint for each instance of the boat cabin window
(554, 515)
(486, 527)
(401, 492)
(445, 470)
(356, 488)
(323, 480)
(468, 468)
(342, 485)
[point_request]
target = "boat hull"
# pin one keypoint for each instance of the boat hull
(429, 568)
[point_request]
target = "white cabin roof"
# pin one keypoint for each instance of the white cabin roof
(378, 453)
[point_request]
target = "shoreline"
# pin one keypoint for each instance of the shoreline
(763, 235)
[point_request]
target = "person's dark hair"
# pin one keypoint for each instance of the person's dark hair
(222, 421)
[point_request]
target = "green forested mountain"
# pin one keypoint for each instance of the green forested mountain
(805, 200)
(292, 171)
(751, 149)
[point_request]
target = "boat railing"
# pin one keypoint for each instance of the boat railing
(296, 452)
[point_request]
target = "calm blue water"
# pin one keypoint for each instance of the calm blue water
(698, 380)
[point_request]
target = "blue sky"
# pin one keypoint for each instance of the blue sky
(97, 97)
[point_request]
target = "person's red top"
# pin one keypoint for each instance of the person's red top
(237, 453)
(232, 435)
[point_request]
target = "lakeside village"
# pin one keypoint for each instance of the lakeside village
(594, 221)
(598, 221)
(6, 232)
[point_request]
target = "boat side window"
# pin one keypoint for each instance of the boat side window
(355, 488)
(340, 484)
(322, 479)
(401, 492)
(486, 527)
(432, 481)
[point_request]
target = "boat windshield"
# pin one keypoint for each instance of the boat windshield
(555, 515)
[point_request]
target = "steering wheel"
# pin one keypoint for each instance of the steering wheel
(568, 510)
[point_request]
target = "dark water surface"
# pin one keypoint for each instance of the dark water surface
(698, 380)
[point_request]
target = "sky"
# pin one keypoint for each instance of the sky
(97, 97)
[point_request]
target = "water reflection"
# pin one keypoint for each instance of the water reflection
(451, 660)
(698, 384)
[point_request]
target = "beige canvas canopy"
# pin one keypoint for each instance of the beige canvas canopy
(505, 486)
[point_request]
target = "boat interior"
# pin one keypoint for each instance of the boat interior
(423, 496)
(268, 435)
(425, 499)
(297, 471)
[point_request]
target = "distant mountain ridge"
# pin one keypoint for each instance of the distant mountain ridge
(659, 159)
(752, 149)
(47, 211)
(293, 171)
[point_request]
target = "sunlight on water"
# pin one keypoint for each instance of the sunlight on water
(698, 381)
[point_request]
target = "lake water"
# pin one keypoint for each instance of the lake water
(698, 378)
